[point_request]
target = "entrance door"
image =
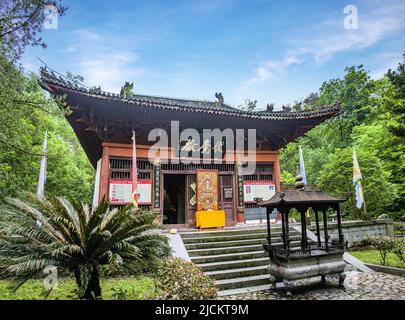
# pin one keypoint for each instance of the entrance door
(226, 197)
(191, 199)
(174, 199)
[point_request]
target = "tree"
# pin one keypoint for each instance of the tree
(127, 90)
(25, 114)
(355, 94)
(372, 120)
(396, 105)
(250, 105)
(75, 237)
(336, 178)
(21, 21)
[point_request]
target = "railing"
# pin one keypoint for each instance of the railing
(312, 249)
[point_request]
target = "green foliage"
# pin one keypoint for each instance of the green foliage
(372, 120)
(399, 228)
(127, 89)
(133, 289)
(336, 177)
(127, 288)
(399, 249)
(373, 257)
(75, 237)
(178, 279)
(397, 105)
(384, 245)
(21, 22)
(250, 105)
(25, 113)
(287, 178)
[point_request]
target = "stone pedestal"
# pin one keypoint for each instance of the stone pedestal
(291, 269)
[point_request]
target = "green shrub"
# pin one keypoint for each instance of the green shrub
(383, 245)
(399, 227)
(399, 249)
(77, 238)
(398, 216)
(177, 279)
(119, 293)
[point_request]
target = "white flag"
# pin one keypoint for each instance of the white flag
(302, 167)
(42, 171)
(357, 181)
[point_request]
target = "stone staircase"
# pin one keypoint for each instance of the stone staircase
(234, 258)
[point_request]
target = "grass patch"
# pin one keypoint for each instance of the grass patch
(112, 289)
(373, 257)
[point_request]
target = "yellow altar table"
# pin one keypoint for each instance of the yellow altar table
(209, 218)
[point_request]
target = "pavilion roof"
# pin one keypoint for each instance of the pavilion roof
(299, 197)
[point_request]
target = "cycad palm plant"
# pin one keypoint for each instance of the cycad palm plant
(73, 236)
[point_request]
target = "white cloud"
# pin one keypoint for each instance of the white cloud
(101, 63)
(110, 70)
(374, 26)
(271, 68)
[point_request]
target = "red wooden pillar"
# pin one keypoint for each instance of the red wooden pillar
(105, 173)
(277, 174)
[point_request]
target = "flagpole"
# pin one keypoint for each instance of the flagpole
(134, 172)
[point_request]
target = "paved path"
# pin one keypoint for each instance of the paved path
(358, 286)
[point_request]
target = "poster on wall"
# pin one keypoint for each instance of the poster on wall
(145, 191)
(207, 189)
(258, 189)
(120, 191)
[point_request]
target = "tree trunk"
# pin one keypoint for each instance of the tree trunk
(93, 289)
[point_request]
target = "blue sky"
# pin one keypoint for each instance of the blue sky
(270, 51)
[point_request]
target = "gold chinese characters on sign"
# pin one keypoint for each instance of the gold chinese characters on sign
(207, 190)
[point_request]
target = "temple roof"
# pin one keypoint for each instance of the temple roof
(98, 116)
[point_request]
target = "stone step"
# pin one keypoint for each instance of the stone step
(232, 237)
(211, 233)
(235, 258)
(235, 291)
(229, 257)
(238, 272)
(223, 265)
(238, 242)
(224, 250)
(242, 282)
(235, 248)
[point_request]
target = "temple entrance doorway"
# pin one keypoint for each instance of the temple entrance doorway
(174, 195)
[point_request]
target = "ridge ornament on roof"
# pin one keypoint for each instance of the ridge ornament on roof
(99, 117)
(49, 80)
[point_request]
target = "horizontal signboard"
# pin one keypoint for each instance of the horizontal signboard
(120, 191)
(258, 189)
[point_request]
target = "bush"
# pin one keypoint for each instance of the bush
(383, 245)
(77, 238)
(398, 216)
(177, 279)
(399, 227)
(399, 249)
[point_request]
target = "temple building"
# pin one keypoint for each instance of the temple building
(168, 181)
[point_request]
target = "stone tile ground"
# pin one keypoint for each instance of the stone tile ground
(358, 286)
